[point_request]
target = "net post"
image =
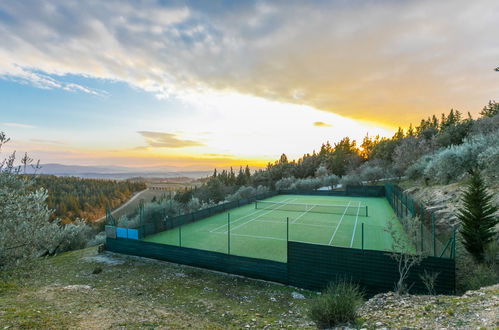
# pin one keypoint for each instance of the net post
(256, 205)
(362, 236)
(228, 233)
(367, 213)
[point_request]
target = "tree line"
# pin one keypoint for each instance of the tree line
(436, 150)
(72, 197)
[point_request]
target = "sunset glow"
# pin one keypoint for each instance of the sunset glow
(203, 85)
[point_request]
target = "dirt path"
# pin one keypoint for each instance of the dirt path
(122, 206)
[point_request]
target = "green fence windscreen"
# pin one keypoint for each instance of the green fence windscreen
(255, 268)
(314, 266)
(434, 240)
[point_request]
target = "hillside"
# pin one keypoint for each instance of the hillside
(84, 289)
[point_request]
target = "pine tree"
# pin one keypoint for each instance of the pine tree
(477, 217)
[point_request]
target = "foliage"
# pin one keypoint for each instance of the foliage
(490, 110)
(402, 250)
(26, 230)
(338, 304)
(72, 197)
(454, 162)
(429, 279)
(477, 217)
(350, 179)
(371, 173)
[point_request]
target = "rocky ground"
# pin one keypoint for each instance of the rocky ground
(475, 309)
(87, 290)
(444, 200)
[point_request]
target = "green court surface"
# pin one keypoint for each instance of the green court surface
(262, 233)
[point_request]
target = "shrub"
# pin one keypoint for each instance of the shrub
(330, 180)
(372, 174)
(338, 304)
(25, 228)
(416, 171)
(351, 179)
(478, 276)
(307, 184)
(285, 183)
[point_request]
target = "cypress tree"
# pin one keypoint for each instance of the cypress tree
(477, 217)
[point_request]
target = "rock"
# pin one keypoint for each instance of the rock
(297, 295)
(378, 324)
(77, 287)
(273, 299)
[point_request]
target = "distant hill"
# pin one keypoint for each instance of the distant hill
(118, 172)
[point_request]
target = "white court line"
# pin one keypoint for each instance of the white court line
(261, 215)
(298, 224)
(254, 236)
(339, 223)
(355, 227)
(236, 220)
(301, 215)
(270, 238)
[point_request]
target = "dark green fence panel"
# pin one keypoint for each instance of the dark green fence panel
(313, 266)
(250, 267)
(434, 240)
(365, 191)
(313, 192)
(354, 191)
(156, 222)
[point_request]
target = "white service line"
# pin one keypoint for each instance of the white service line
(355, 226)
(261, 215)
(339, 223)
(236, 220)
(301, 215)
(298, 224)
(254, 236)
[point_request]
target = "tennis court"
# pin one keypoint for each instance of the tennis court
(261, 230)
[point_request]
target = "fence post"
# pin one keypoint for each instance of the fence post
(180, 236)
(362, 231)
(406, 207)
(287, 229)
(453, 248)
(433, 234)
(228, 233)
(422, 235)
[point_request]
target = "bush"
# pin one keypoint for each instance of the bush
(478, 276)
(330, 180)
(471, 275)
(372, 174)
(416, 171)
(285, 183)
(351, 179)
(337, 305)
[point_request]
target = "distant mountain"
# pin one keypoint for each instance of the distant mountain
(117, 172)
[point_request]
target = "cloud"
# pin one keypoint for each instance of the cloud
(219, 155)
(167, 140)
(18, 125)
(388, 61)
(42, 141)
(321, 124)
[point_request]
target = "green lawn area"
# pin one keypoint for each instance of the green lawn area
(261, 233)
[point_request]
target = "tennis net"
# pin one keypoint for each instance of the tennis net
(313, 208)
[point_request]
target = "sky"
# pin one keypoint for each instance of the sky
(194, 85)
